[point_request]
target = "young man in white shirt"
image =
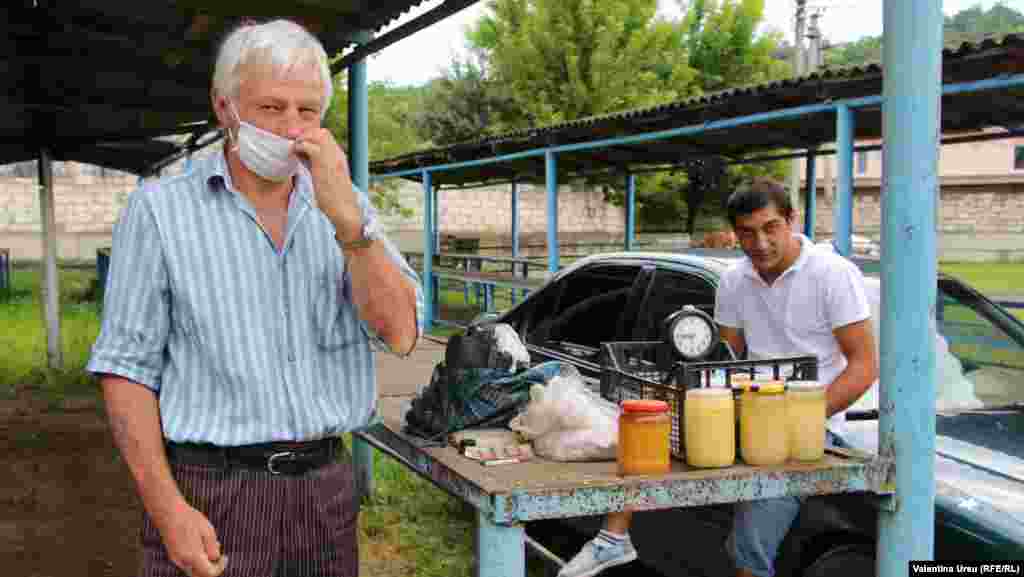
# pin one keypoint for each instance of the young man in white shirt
(787, 298)
(790, 297)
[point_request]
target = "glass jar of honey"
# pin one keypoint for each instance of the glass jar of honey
(805, 419)
(644, 438)
(709, 417)
(763, 433)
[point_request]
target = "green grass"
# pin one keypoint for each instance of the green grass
(998, 279)
(23, 340)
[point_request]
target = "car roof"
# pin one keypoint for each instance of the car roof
(712, 260)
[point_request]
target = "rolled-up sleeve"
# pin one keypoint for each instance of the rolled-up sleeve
(136, 306)
(370, 216)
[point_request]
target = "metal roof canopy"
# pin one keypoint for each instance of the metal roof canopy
(965, 111)
(98, 81)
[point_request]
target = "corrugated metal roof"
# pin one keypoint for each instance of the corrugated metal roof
(76, 75)
(989, 57)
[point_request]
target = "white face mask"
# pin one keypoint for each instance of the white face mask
(265, 153)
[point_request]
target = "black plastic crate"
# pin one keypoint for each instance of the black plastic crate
(650, 370)
(645, 370)
(797, 368)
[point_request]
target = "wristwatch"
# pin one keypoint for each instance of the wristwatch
(368, 235)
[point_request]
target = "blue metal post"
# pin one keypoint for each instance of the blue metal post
(842, 207)
(359, 166)
(428, 252)
(551, 176)
(811, 200)
(437, 240)
(630, 210)
(910, 116)
(515, 234)
(500, 549)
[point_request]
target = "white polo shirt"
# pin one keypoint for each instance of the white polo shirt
(795, 315)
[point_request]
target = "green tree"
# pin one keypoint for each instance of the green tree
(463, 104)
(968, 25)
(391, 128)
(567, 59)
(724, 48)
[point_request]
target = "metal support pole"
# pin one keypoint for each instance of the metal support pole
(630, 210)
(51, 284)
(500, 549)
(359, 124)
(811, 198)
(551, 176)
(436, 220)
(842, 207)
(906, 427)
(359, 167)
(515, 234)
(428, 252)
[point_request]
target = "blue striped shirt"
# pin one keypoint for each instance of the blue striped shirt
(241, 342)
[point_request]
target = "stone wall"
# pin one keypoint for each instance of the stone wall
(978, 220)
(87, 202)
(486, 213)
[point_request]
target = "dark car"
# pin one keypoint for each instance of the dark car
(980, 426)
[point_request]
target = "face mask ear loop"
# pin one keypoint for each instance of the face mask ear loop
(233, 140)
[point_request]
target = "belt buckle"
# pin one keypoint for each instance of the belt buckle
(275, 457)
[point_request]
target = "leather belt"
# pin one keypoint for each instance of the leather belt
(280, 458)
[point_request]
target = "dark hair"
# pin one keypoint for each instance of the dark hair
(761, 193)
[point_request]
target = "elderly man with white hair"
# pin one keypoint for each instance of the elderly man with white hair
(245, 300)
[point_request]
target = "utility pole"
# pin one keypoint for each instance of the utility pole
(814, 55)
(798, 70)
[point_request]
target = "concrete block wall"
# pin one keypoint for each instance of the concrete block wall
(977, 220)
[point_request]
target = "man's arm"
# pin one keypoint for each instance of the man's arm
(384, 296)
(857, 341)
(134, 416)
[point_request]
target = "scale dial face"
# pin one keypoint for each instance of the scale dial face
(692, 333)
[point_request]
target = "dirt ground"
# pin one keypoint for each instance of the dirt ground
(68, 506)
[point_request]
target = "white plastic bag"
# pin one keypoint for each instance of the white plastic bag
(568, 422)
(507, 342)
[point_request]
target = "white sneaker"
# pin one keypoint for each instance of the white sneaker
(596, 556)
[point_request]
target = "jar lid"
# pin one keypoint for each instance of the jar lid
(644, 406)
(762, 387)
(709, 392)
(805, 386)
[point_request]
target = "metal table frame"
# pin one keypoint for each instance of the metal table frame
(505, 501)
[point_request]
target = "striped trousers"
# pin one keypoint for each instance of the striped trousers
(269, 525)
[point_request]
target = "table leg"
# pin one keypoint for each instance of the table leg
(500, 549)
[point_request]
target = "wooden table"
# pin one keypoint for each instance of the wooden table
(506, 496)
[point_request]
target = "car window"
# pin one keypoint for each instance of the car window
(987, 346)
(582, 308)
(670, 291)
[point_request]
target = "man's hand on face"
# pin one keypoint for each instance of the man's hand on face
(332, 183)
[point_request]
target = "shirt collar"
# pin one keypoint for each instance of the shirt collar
(806, 246)
(219, 178)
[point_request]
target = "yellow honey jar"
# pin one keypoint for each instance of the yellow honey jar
(763, 433)
(645, 430)
(709, 417)
(805, 419)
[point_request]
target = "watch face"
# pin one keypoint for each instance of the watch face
(692, 335)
